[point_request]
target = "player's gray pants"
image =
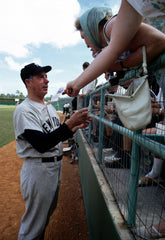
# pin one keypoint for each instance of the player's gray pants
(40, 184)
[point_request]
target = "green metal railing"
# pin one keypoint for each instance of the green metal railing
(152, 142)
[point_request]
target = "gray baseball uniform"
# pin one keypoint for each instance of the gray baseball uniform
(40, 180)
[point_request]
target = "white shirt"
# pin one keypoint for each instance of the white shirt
(89, 87)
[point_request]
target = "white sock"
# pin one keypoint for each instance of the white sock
(156, 168)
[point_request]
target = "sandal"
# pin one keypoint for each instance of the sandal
(153, 232)
(146, 181)
(157, 230)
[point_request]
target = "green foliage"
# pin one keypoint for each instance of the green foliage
(18, 94)
(6, 124)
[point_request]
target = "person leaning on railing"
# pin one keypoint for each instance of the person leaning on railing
(97, 36)
(122, 34)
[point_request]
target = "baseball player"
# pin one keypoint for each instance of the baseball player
(39, 137)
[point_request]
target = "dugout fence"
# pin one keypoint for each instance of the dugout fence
(141, 205)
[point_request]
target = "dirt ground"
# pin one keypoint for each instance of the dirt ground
(69, 219)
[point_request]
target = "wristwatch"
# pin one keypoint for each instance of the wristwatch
(160, 111)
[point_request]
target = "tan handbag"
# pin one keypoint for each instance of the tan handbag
(134, 106)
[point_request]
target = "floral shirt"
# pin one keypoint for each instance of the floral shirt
(149, 8)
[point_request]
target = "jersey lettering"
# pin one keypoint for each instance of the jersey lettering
(56, 121)
(47, 125)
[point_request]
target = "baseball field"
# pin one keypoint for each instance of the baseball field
(68, 220)
(6, 124)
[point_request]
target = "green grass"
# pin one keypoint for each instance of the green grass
(6, 124)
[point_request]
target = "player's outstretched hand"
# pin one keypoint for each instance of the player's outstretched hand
(80, 119)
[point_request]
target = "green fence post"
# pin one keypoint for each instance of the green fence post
(133, 184)
(101, 125)
(90, 124)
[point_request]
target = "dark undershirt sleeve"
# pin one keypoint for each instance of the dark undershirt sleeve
(42, 142)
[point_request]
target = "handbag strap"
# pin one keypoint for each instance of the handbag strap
(144, 65)
(143, 68)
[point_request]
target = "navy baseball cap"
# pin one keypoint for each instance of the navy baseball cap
(32, 69)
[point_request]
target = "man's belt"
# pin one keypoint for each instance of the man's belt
(52, 159)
